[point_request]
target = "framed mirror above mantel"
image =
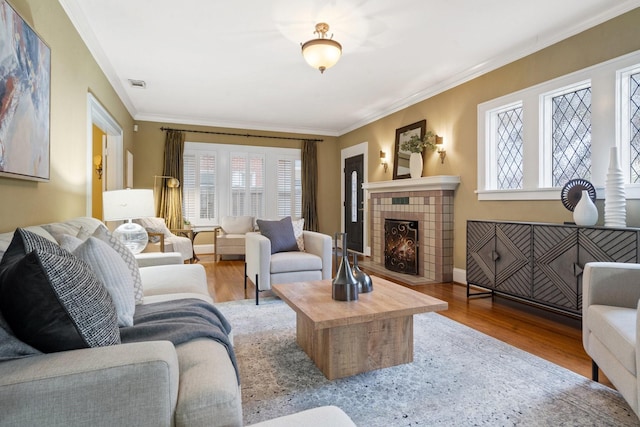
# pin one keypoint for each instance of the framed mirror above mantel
(401, 157)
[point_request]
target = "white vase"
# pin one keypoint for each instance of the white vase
(615, 203)
(415, 165)
(585, 213)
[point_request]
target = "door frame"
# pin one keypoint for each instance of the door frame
(345, 153)
(98, 115)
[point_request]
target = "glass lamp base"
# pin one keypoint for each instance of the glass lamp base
(133, 236)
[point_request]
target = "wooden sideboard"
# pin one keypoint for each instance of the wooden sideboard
(542, 263)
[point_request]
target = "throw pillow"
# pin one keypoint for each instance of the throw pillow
(154, 225)
(236, 224)
(10, 346)
(54, 302)
(298, 228)
(127, 256)
(280, 233)
(25, 241)
(109, 268)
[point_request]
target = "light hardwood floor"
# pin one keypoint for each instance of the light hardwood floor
(551, 336)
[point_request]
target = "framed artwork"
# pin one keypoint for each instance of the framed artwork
(401, 158)
(25, 96)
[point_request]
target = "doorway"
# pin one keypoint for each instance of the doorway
(354, 218)
(101, 125)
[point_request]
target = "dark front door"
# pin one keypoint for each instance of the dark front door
(354, 202)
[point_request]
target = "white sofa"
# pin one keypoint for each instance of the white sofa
(144, 384)
(610, 303)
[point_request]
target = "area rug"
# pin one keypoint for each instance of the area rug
(459, 377)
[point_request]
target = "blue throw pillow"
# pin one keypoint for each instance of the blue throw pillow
(280, 233)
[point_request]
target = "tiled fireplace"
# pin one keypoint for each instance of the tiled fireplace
(429, 202)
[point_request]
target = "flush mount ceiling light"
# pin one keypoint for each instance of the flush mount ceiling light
(323, 52)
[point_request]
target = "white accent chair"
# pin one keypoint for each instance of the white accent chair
(230, 237)
(268, 269)
(611, 292)
(161, 239)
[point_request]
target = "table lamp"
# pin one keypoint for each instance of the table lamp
(119, 205)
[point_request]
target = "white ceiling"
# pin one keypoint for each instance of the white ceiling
(238, 64)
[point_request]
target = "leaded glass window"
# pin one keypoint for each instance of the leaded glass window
(571, 136)
(634, 125)
(509, 161)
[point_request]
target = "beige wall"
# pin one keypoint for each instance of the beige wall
(453, 114)
(149, 146)
(74, 73)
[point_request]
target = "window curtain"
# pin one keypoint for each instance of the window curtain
(171, 198)
(309, 186)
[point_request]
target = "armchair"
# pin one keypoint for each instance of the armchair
(230, 237)
(314, 263)
(161, 239)
(611, 292)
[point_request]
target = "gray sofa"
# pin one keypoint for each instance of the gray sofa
(144, 384)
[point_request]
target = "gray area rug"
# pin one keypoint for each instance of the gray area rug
(459, 377)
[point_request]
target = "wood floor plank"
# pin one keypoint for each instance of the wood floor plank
(548, 335)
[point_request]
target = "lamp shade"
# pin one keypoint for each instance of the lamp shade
(127, 204)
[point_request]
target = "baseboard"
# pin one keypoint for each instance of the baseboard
(460, 276)
(204, 249)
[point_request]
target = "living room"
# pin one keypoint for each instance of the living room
(452, 112)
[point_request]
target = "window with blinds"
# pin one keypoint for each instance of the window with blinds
(199, 187)
(247, 184)
(221, 180)
(289, 188)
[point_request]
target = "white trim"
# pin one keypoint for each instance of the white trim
(98, 115)
(460, 276)
(604, 134)
(345, 153)
(223, 153)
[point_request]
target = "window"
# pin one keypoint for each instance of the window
(629, 81)
(568, 123)
(506, 137)
(531, 142)
(247, 185)
(289, 188)
(221, 180)
(199, 187)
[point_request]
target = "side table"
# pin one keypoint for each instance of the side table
(192, 232)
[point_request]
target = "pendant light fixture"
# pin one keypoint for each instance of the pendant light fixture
(323, 52)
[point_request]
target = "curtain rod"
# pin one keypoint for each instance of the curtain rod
(243, 134)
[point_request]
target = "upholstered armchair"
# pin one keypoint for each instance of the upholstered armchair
(230, 237)
(161, 239)
(611, 292)
(272, 257)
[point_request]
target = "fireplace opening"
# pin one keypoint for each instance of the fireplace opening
(401, 246)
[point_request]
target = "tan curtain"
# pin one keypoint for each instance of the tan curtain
(309, 186)
(171, 198)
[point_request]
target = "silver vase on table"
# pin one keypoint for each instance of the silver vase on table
(344, 286)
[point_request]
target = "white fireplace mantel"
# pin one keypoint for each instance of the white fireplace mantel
(426, 183)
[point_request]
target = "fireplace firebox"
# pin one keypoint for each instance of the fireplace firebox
(401, 246)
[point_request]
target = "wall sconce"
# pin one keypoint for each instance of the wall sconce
(97, 162)
(383, 160)
(441, 151)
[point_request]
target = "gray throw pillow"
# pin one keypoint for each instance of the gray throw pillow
(280, 233)
(127, 256)
(111, 269)
(51, 300)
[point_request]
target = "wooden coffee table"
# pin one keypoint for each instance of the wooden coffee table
(347, 338)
